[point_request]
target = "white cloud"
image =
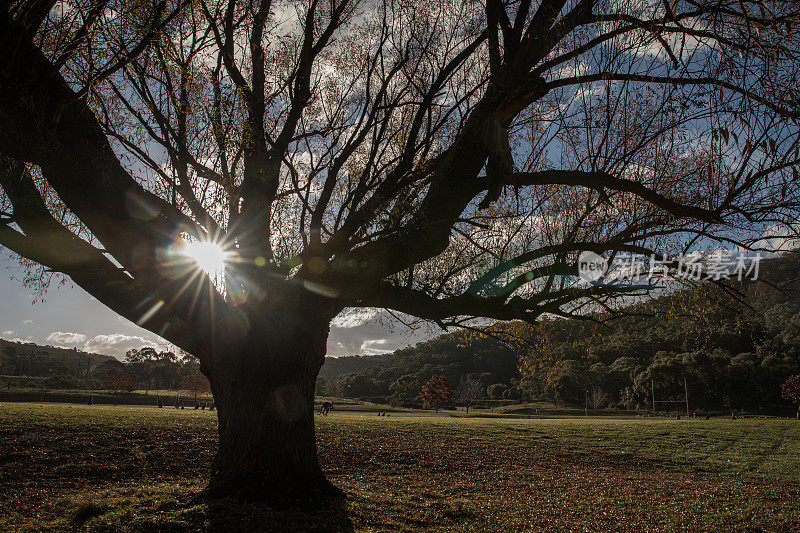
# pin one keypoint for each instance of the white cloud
(377, 346)
(780, 238)
(27, 322)
(66, 338)
(370, 332)
(354, 317)
(6, 336)
(116, 344)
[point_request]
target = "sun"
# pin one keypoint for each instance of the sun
(210, 256)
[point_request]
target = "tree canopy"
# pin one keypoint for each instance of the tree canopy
(442, 160)
(731, 356)
(446, 161)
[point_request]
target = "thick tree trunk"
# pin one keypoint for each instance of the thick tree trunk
(264, 394)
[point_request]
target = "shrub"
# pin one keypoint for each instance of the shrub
(495, 392)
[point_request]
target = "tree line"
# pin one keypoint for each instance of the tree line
(147, 369)
(723, 353)
(66, 368)
(28, 365)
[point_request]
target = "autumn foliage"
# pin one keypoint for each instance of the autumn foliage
(196, 384)
(437, 391)
(117, 380)
(790, 390)
(444, 161)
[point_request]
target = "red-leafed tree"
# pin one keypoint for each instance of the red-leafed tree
(790, 390)
(118, 380)
(196, 384)
(437, 391)
(442, 160)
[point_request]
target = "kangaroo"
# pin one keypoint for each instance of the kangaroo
(326, 408)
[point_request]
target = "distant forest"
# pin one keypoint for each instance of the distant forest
(727, 353)
(26, 363)
(29, 365)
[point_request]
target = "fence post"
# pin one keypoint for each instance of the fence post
(653, 394)
(686, 392)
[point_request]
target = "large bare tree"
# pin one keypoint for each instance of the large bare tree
(441, 160)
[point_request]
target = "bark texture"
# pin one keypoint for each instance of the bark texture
(264, 394)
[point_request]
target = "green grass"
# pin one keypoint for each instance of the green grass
(81, 397)
(103, 468)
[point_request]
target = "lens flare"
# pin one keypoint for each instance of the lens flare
(210, 256)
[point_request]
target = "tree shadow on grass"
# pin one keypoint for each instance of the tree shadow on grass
(162, 508)
(230, 515)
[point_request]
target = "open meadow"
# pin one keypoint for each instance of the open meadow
(105, 468)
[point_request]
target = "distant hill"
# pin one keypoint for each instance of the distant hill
(484, 359)
(732, 354)
(729, 354)
(335, 367)
(32, 360)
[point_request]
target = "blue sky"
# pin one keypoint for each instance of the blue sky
(71, 317)
(68, 317)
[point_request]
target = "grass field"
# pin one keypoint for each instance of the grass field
(104, 468)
